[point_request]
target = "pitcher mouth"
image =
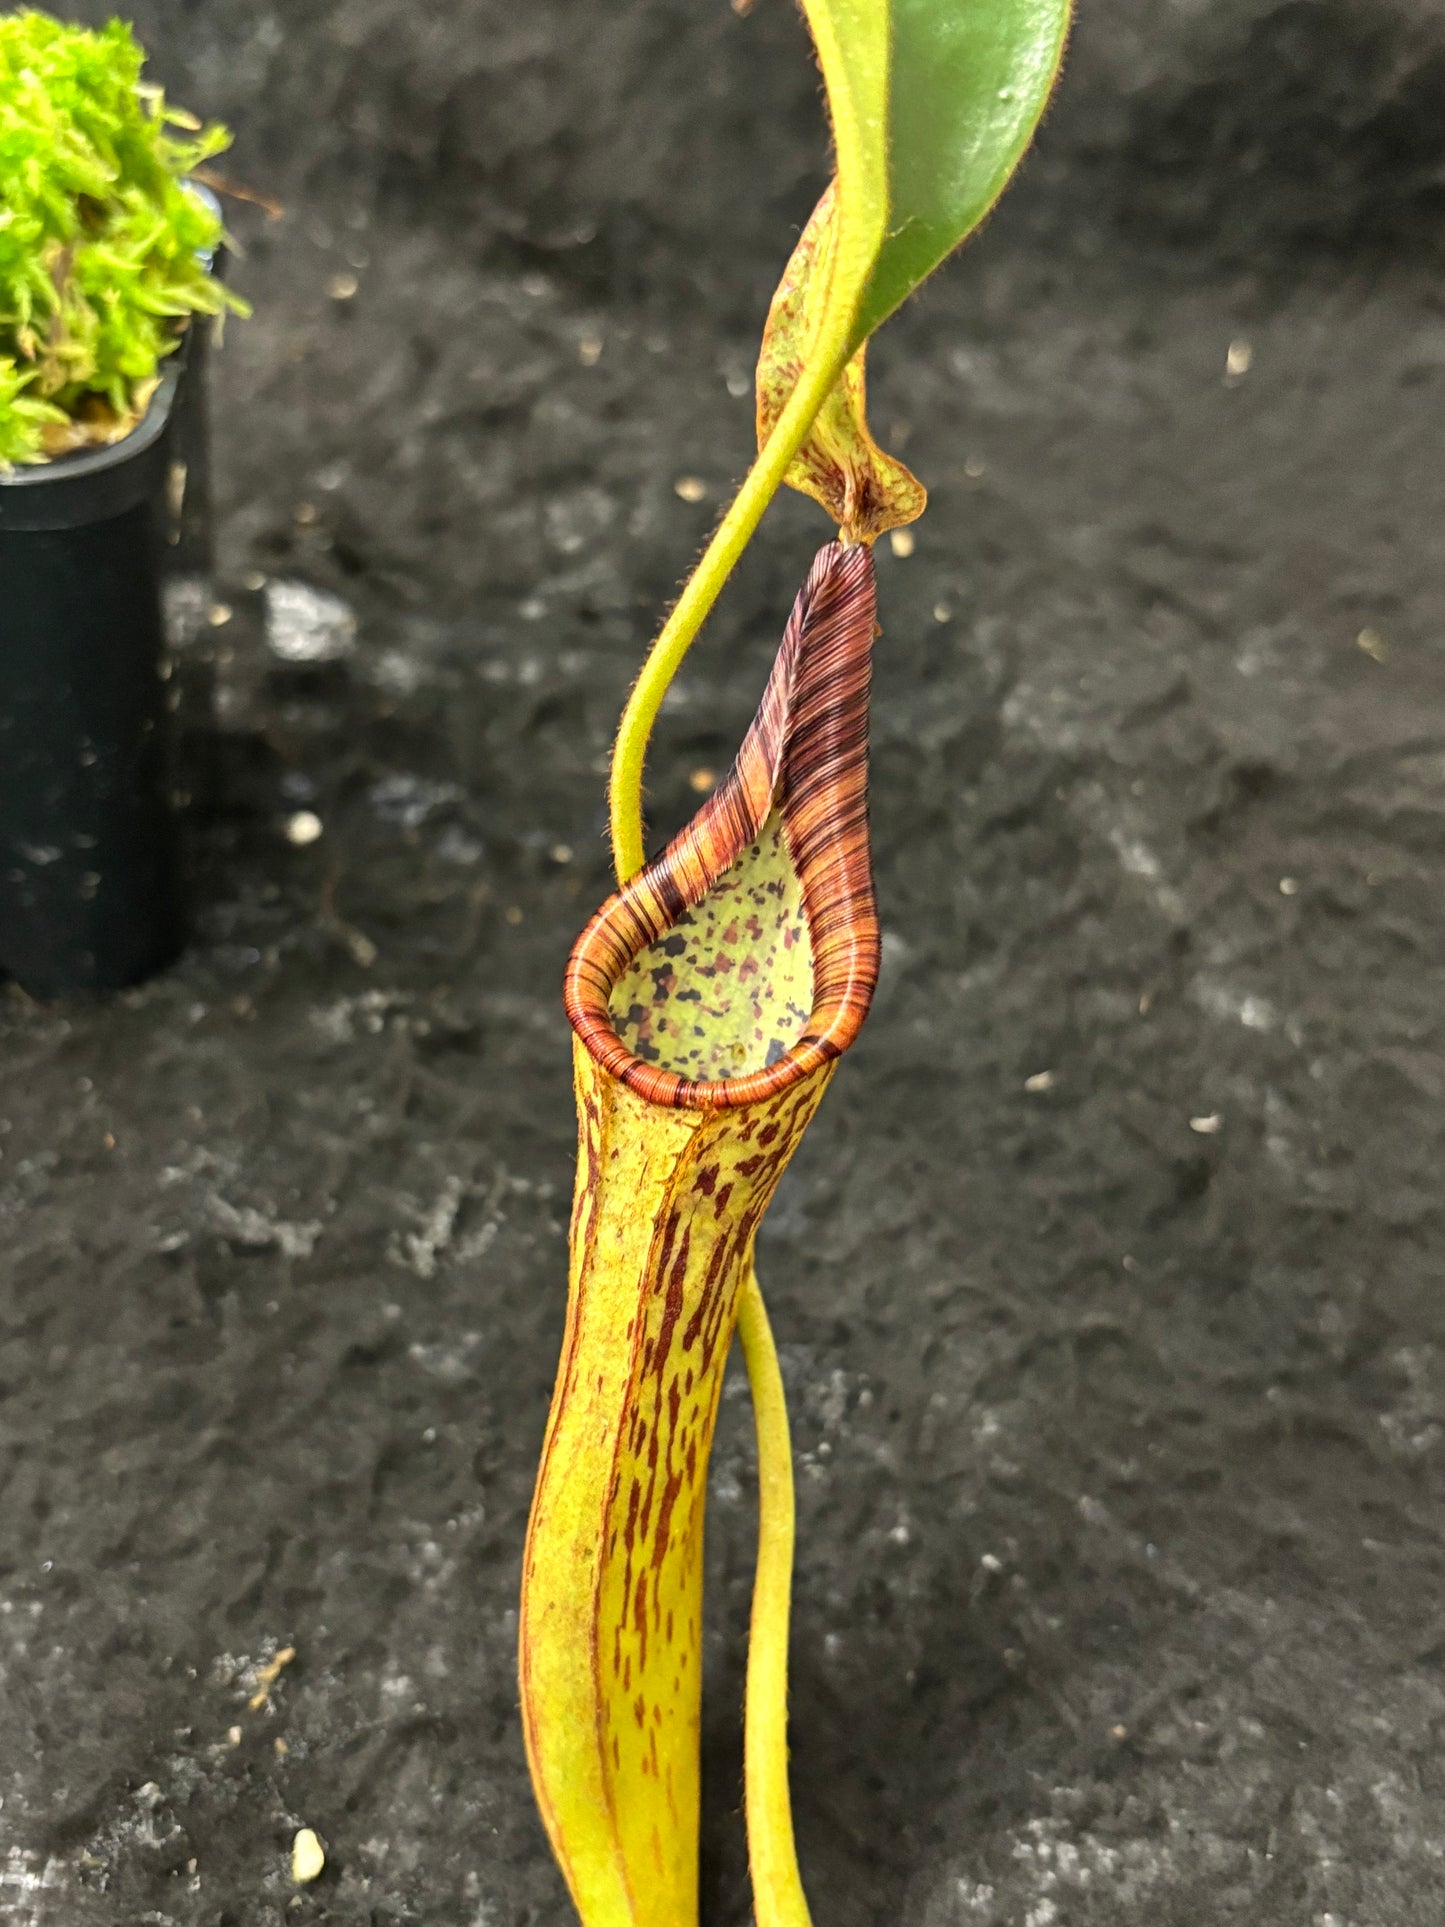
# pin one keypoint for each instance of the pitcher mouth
(743, 958)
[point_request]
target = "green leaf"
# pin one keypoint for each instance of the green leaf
(970, 79)
(852, 38)
(966, 81)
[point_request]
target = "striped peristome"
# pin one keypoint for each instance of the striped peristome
(801, 777)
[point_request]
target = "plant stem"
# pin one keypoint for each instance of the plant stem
(731, 537)
(778, 1898)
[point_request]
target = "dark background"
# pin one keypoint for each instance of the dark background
(1120, 1439)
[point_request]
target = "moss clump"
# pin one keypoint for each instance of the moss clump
(100, 240)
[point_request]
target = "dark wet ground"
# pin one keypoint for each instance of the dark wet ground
(1108, 1282)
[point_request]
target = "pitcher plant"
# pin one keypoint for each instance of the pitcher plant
(711, 996)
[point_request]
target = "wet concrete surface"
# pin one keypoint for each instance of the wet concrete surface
(1108, 1280)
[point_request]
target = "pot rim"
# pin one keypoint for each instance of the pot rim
(77, 463)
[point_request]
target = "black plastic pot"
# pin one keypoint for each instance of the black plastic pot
(91, 885)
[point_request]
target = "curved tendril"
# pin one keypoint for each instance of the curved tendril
(704, 585)
(778, 1897)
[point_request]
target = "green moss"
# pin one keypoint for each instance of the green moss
(100, 241)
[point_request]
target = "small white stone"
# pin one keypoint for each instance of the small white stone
(308, 1856)
(306, 624)
(1209, 1126)
(303, 827)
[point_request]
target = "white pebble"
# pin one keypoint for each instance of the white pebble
(308, 1856)
(303, 827)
